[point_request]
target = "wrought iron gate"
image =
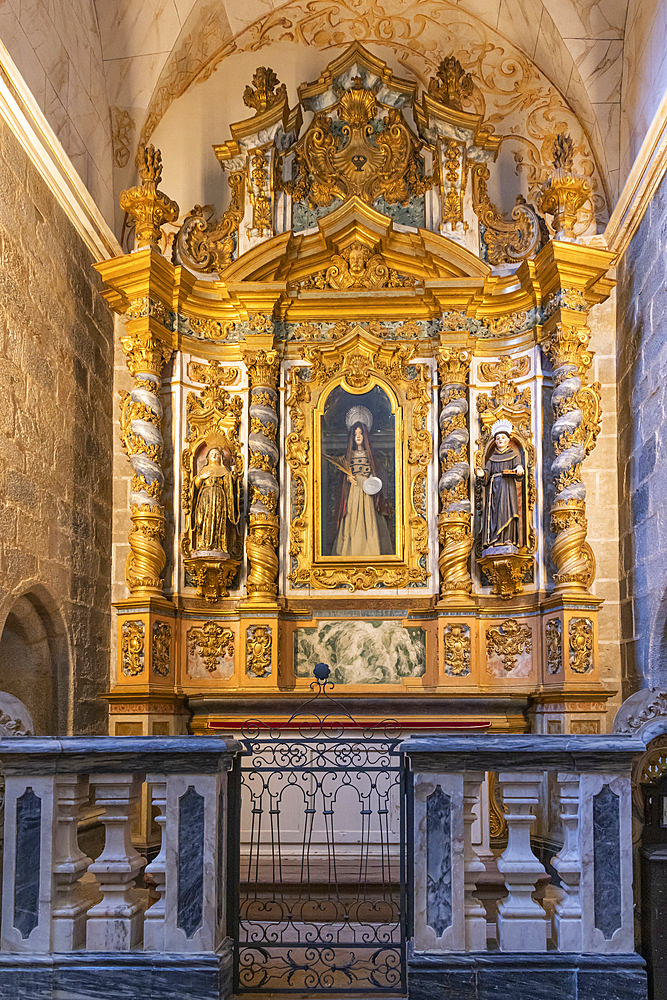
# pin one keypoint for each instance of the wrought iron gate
(320, 897)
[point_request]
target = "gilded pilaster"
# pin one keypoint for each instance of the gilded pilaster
(262, 539)
(454, 533)
(141, 436)
(576, 411)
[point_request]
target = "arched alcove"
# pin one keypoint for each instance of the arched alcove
(34, 661)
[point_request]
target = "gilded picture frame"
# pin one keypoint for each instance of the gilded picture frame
(357, 369)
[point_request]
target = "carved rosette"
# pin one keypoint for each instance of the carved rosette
(454, 533)
(577, 411)
(264, 522)
(141, 437)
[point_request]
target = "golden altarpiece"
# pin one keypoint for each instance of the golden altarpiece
(358, 421)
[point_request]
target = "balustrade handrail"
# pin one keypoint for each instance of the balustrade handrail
(111, 754)
(522, 752)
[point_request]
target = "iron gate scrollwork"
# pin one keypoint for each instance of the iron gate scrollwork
(322, 901)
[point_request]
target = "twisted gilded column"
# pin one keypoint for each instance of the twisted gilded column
(454, 533)
(263, 523)
(576, 410)
(141, 437)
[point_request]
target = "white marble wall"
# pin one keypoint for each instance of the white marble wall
(56, 47)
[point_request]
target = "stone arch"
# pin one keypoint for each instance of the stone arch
(35, 660)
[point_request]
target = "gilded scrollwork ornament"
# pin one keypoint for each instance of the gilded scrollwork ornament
(212, 641)
(553, 635)
(580, 633)
(457, 647)
(259, 639)
(161, 648)
(509, 640)
(203, 244)
(132, 647)
(506, 241)
(338, 160)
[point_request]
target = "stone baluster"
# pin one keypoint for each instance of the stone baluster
(68, 927)
(473, 866)
(522, 924)
(454, 533)
(576, 410)
(141, 418)
(154, 920)
(264, 523)
(568, 917)
(114, 924)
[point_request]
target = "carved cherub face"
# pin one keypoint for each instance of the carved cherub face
(356, 260)
(502, 441)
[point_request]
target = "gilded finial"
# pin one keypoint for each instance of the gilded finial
(451, 84)
(263, 95)
(565, 193)
(148, 206)
(563, 152)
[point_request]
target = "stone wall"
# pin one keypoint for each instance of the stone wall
(56, 369)
(601, 477)
(642, 449)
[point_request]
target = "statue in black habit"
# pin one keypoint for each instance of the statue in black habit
(501, 475)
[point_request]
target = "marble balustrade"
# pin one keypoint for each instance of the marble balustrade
(56, 902)
(590, 911)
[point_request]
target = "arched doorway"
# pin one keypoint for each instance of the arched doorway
(34, 661)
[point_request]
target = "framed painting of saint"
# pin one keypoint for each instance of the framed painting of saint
(357, 437)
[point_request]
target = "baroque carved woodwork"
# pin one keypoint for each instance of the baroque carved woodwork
(211, 641)
(509, 640)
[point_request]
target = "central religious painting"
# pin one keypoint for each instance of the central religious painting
(359, 464)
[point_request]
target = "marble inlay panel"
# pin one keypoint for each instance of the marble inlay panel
(607, 861)
(439, 860)
(190, 905)
(27, 862)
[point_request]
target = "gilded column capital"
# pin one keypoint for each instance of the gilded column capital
(263, 368)
(567, 346)
(145, 352)
(149, 207)
(453, 366)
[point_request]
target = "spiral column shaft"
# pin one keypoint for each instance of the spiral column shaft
(573, 434)
(263, 522)
(141, 436)
(454, 533)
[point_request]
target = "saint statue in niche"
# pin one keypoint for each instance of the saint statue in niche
(358, 486)
(215, 505)
(502, 528)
